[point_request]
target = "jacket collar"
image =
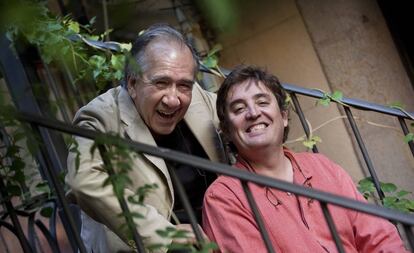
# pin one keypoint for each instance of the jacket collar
(201, 125)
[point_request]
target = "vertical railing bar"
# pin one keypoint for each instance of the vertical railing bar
(410, 236)
(52, 221)
(257, 217)
(364, 152)
(178, 186)
(302, 119)
(78, 97)
(129, 221)
(405, 131)
(60, 195)
(332, 227)
(13, 216)
(53, 244)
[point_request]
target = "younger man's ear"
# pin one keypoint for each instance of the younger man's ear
(285, 118)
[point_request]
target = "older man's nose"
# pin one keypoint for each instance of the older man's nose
(171, 98)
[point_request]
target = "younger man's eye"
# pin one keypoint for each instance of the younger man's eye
(262, 102)
(238, 109)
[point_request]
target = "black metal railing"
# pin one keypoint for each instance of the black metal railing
(324, 198)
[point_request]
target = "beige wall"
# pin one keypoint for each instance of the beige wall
(290, 40)
(359, 57)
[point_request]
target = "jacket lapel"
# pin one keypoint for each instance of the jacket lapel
(136, 130)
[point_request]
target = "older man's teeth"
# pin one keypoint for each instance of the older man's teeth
(256, 127)
(166, 114)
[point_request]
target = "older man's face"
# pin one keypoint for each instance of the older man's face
(163, 93)
(255, 120)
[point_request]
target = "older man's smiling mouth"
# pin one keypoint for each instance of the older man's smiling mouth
(166, 114)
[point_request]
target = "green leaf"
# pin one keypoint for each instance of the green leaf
(155, 246)
(366, 186)
(74, 26)
(210, 61)
(93, 37)
(410, 206)
(288, 99)
(43, 187)
(402, 193)
(17, 164)
(409, 137)
(215, 49)
(12, 151)
(92, 20)
(388, 187)
(53, 26)
(316, 138)
(396, 105)
(208, 247)
(125, 46)
(324, 101)
(19, 136)
(32, 143)
(14, 190)
(179, 247)
(117, 61)
(337, 95)
(312, 141)
(389, 201)
(19, 176)
(96, 73)
(308, 143)
(46, 212)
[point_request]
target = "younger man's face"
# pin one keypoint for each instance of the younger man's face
(255, 120)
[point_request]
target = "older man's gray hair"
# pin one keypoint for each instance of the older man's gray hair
(136, 57)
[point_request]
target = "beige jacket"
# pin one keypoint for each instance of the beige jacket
(114, 111)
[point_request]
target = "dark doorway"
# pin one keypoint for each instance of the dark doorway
(400, 19)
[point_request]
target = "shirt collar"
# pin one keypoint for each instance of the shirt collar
(305, 175)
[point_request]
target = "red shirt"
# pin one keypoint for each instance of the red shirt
(294, 223)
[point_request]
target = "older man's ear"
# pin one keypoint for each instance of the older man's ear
(131, 87)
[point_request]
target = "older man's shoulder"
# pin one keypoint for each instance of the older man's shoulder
(99, 111)
(106, 99)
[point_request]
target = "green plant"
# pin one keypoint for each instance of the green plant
(328, 97)
(394, 198)
(399, 106)
(18, 146)
(65, 42)
(210, 61)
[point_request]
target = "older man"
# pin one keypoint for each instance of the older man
(161, 105)
(253, 115)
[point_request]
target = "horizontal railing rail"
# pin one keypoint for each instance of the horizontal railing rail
(360, 104)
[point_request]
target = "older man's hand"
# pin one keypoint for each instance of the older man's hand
(191, 238)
